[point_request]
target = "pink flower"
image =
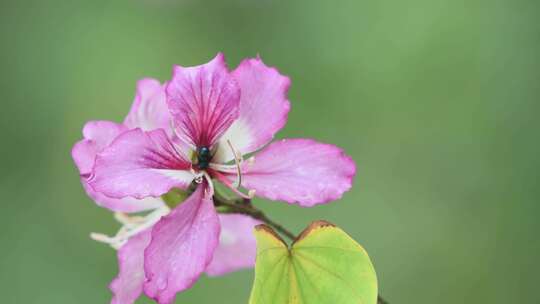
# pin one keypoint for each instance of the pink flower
(150, 112)
(218, 117)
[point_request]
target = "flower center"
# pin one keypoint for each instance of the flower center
(204, 156)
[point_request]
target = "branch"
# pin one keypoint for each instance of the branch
(244, 206)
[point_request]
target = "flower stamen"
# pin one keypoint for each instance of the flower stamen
(128, 221)
(232, 168)
(131, 225)
(210, 190)
(225, 181)
(198, 175)
(238, 161)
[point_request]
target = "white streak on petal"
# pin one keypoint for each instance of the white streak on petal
(239, 136)
(179, 175)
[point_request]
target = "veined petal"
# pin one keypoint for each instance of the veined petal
(149, 110)
(263, 108)
(96, 136)
(203, 101)
(182, 245)
(300, 171)
(128, 285)
(185, 149)
(237, 246)
(140, 164)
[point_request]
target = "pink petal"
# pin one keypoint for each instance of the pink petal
(83, 154)
(128, 285)
(263, 108)
(237, 247)
(97, 135)
(185, 149)
(140, 164)
(149, 110)
(300, 171)
(182, 245)
(203, 101)
(126, 204)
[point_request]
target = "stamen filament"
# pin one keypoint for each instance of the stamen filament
(238, 160)
(210, 184)
(128, 221)
(224, 168)
(231, 168)
(224, 180)
(198, 175)
(131, 225)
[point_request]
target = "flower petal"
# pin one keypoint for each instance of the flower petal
(203, 101)
(149, 110)
(126, 204)
(182, 245)
(83, 154)
(263, 108)
(97, 135)
(299, 171)
(237, 247)
(140, 164)
(128, 285)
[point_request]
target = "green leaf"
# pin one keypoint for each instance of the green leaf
(324, 265)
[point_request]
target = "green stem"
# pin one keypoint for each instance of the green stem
(244, 206)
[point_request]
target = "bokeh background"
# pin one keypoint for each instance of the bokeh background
(436, 100)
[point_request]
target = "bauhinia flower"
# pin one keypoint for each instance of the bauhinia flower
(218, 117)
(150, 112)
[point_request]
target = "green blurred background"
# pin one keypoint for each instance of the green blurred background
(436, 100)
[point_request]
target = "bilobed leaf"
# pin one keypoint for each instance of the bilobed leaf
(323, 266)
